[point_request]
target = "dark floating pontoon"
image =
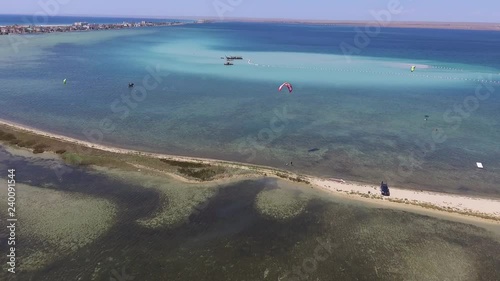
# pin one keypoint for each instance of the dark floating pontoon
(230, 59)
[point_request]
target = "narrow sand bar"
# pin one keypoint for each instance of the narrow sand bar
(446, 202)
(480, 207)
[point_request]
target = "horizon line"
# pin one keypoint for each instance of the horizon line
(215, 18)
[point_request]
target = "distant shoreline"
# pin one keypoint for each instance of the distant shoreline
(488, 209)
(491, 26)
(21, 29)
(417, 25)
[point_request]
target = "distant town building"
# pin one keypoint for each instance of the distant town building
(80, 23)
(77, 26)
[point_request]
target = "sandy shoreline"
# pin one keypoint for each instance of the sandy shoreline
(425, 25)
(393, 24)
(479, 207)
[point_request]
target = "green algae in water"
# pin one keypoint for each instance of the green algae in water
(178, 204)
(418, 247)
(178, 200)
(234, 241)
(60, 222)
(281, 204)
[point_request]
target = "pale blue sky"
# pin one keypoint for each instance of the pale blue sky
(413, 10)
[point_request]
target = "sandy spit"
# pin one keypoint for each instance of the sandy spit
(480, 207)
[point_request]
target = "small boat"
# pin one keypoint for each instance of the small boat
(234, 58)
(228, 63)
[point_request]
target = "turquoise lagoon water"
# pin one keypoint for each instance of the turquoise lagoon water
(365, 113)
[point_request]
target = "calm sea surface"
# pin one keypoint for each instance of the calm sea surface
(363, 115)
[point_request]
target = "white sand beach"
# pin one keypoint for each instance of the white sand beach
(446, 202)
